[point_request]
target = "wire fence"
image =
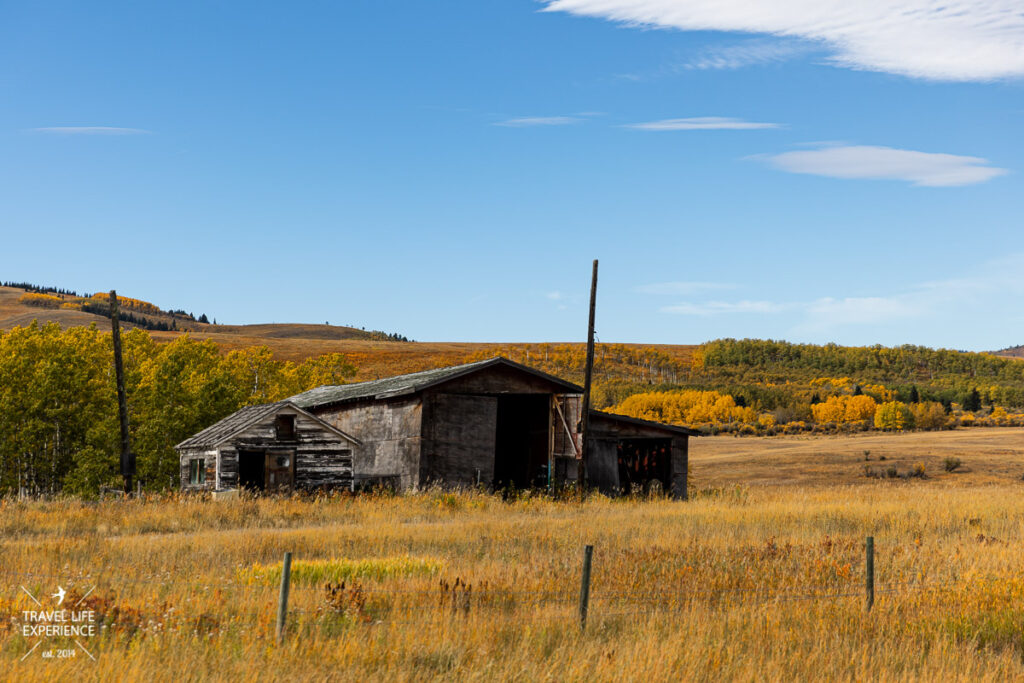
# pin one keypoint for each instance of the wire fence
(303, 606)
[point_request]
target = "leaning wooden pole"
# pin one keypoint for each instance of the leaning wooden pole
(587, 378)
(127, 470)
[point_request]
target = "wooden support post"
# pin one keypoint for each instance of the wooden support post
(588, 555)
(869, 574)
(127, 463)
(551, 444)
(587, 379)
(282, 600)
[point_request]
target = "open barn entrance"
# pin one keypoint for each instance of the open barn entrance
(252, 472)
(521, 440)
(644, 464)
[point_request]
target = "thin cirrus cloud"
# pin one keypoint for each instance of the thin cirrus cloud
(980, 293)
(924, 169)
(90, 130)
(720, 307)
(529, 121)
(682, 288)
(956, 40)
(743, 54)
(703, 123)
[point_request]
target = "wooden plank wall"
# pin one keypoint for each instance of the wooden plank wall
(210, 458)
(322, 458)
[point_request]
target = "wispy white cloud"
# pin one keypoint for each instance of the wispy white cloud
(983, 292)
(682, 288)
(956, 40)
(555, 296)
(702, 123)
(744, 54)
(726, 307)
(924, 169)
(526, 121)
(89, 130)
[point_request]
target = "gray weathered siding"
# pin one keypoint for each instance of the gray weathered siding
(323, 459)
(210, 458)
(389, 432)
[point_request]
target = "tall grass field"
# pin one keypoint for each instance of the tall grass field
(738, 583)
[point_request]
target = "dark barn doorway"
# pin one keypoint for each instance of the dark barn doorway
(521, 441)
(252, 472)
(643, 462)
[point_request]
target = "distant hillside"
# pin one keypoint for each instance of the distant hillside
(21, 303)
(1012, 352)
(375, 354)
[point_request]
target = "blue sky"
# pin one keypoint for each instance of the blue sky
(448, 170)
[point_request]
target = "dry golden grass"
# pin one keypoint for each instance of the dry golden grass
(741, 583)
(988, 456)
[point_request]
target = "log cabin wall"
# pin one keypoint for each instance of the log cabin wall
(209, 458)
(322, 458)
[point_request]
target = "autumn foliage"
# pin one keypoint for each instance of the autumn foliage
(58, 413)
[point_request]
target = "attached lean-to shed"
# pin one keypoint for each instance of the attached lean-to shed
(271, 447)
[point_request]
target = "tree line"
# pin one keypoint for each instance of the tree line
(58, 406)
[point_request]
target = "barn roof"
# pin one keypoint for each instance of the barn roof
(413, 383)
(219, 432)
(661, 426)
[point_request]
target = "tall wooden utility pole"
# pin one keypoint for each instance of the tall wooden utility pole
(587, 379)
(127, 461)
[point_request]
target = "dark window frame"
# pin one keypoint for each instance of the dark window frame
(197, 471)
(289, 432)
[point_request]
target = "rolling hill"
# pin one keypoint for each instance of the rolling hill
(370, 351)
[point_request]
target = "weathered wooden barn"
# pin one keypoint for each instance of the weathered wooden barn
(492, 422)
(271, 447)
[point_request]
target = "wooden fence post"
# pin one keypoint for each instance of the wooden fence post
(282, 600)
(588, 554)
(869, 575)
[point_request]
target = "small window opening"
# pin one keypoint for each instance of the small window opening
(197, 471)
(285, 425)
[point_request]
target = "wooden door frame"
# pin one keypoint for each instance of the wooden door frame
(273, 453)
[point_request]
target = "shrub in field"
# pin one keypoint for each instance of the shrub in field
(951, 463)
(349, 602)
(928, 415)
(894, 416)
(918, 470)
(320, 571)
(844, 409)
